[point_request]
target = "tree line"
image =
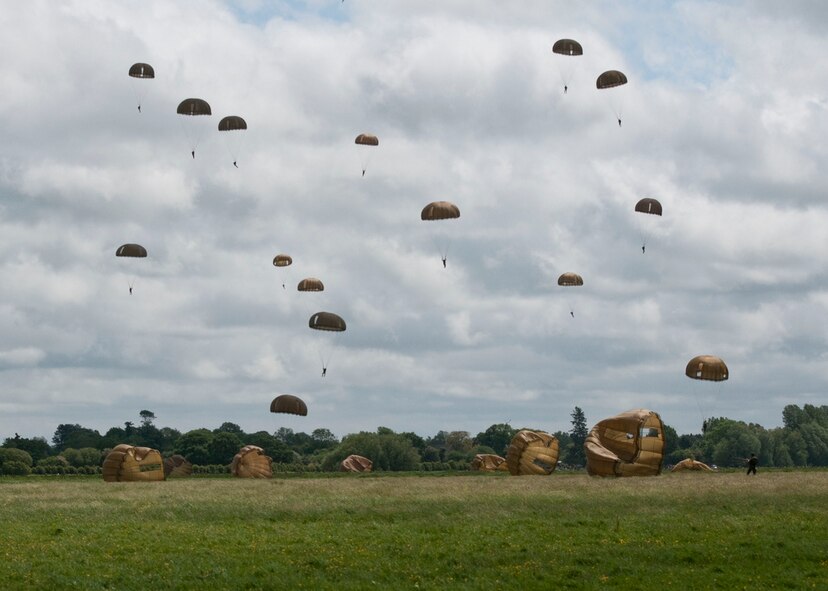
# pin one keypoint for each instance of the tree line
(801, 441)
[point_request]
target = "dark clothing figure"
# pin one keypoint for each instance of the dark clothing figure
(283, 286)
(234, 164)
(752, 461)
(139, 108)
(193, 153)
(565, 89)
(572, 313)
(130, 290)
(619, 123)
(324, 371)
(643, 248)
(363, 172)
(444, 262)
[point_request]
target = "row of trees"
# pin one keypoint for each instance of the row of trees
(802, 441)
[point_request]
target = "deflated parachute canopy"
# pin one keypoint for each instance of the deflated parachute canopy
(355, 463)
(366, 139)
(326, 321)
(532, 452)
(177, 466)
(570, 280)
(310, 284)
(193, 106)
(251, 462)
(628, 444)
(282, 260)
(706, 367)
(440, 210)
(691, 465)
(231, 123)
(567, 47)
(141, 70)
(127, 463)
(610, 79)
(648, 205)
(288, 404)
(489, 463)
(131, 250)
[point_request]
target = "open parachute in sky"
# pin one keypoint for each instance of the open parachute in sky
(251, 462)
(613, 79)
(366, 140)
(141, 71)
(131, 251)
(310, 284)
(570, 280)
(532, 452)
(193, 107)
(440, 210)
(489, 463)
(706, 367)
(628, 444)
(568, 48)
(289, 404)
(649, 207)
(232, 140)
(355, 463)
(127, 463)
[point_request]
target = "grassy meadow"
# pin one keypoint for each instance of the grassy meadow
(474, 531)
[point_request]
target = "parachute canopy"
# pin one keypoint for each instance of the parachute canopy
(628, 444)
(231, 123)
(251, 462)
(567, 47)
(141, 70)
(706, 367)
(355, 463)
(692, 465)
(610, 79)
(310, 284)
(177, 466)
(648, 205)
(127, 463)
(327, 321)
(366, 139)
(570, 280)
(489, 463)
(282, 260)
(532, 452)
(193, 106)
(131, 250)
(288, 404)
(440, 210)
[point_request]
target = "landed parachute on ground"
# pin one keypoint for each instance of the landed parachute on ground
(131, 250)
(628, 444)
(691, 465)
(532, 452)
(127, 463)
(177, 466)
(310, 284)
(289, 404)
(489, 463)
(706, 367)
(355, 463)
(251, 462)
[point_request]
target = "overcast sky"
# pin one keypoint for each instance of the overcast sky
(724, 121)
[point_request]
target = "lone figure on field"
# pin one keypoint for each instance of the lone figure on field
(751, 462)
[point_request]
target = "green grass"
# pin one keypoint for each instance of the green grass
(567, 531)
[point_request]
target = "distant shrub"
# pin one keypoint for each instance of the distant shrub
(12, 454)
(15, 468)
(71, 470)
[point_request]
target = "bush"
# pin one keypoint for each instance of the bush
(12, 454)
(39, 470)
(15, 468)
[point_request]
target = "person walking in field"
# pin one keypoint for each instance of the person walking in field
(751, 462)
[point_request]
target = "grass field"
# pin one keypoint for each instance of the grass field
(476, 531)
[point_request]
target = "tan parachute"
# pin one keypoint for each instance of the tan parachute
(628, 444)
(289, 404)
(489, 463)
(440, 210)
(366, 140)
(251, 462)
(690, 464)
(127, 463)
(355, 463)
(177, 466)
(311, 284)
(706, 367)
(532, 452)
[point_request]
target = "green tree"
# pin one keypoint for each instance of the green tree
(10, 454)
(75, 436)
(37, 447)
(578, 435)
(228, 427)
(277, 449)
(193, 445)
(86, 456)
(497, 436)
(147, 417)
(223, 447)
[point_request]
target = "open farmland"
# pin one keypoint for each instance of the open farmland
(477, 531)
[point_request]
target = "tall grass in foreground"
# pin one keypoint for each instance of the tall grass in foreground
(688, 531)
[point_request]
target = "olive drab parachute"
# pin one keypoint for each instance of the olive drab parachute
(613, 79)
(141, 71)
(355, 463)
(177, 466)
(532, 452)
(649, 207)
(436, 211)
(366, 140)
(310, 284)
(327, 321)
(234, 124)
(251, 462)
(127, 463)
(570, 280)
(193, 107)
(706, 367)
(568, 48)
(691, 465)
(489, 463)
(628, 444)
(289, 404)
(282, 260)
(131, 250)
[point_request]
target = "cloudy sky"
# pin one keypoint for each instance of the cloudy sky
(725, 119)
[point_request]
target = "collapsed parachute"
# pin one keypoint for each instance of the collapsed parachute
(310, 284)
(532, 452)
(355, 463)
(177, 466)
(288, 404)
(251, 462)
(691, 465)
(628, 444)
(706, 367)
(131, 250)
(127, 463)
(489, 463)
